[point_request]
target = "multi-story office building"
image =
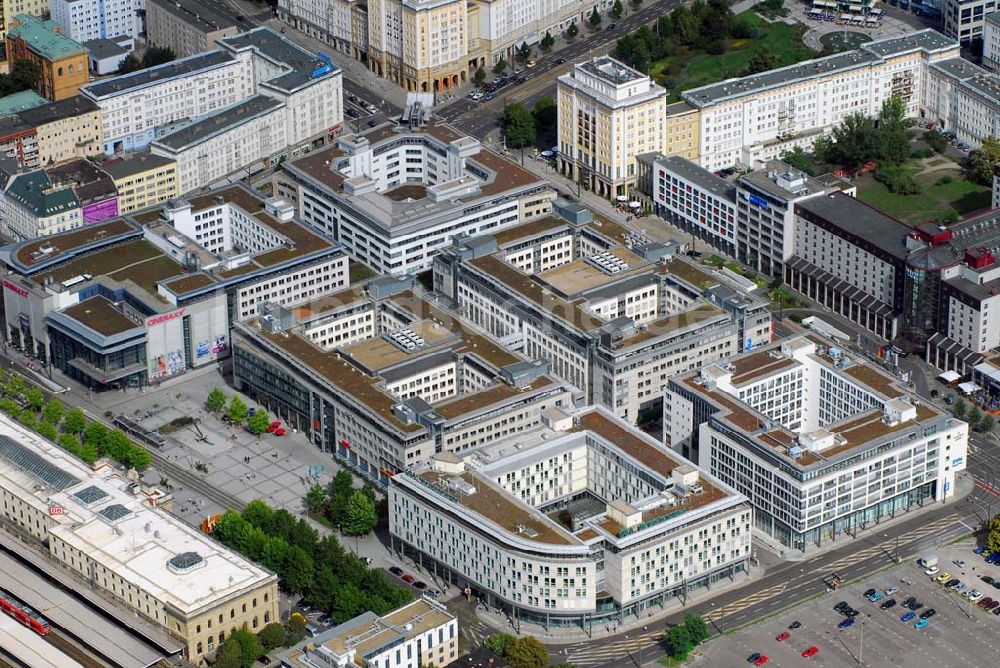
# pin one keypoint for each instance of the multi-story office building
(62, 63)
(682, 125)
(608, 114)
(66, 130)
(395, 198)
(84, 20)
(751, 120)
(116, 535)
(142, 181)
(19, 141)
(965, 21)
(134, 105)
(56, 199)
(226, 142)
(851, 258)
(615, 322)
(822, 444)
(384, 379)
(579, 523)
(991, 42)
(189, 27)
(421, 633)
(135, 300)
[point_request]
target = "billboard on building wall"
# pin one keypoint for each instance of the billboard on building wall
(165, 344)
(100, 211)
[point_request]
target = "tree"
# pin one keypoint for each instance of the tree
(545, 115)
(616, 10)
(527, 652)
(993, 537)
(594, 19)
(272, 636)
(237, 410)
(523, 53)
(296, 630)
(937, 141)
(229, 655)
(48, 430)
(984, 159)
(157, 55)
(75, 422)
(34, 398)
(53, 411)
(315, 497)
(986, 424)
(361, 517)
(893, 142)
(259, 422)
(28, 419)
(853, 142)
(958, 410)
(799, 159)
(296, 571)
(499, 642)
(70, 443)
(761, 61)
(548, 41)
(14, 386)
(500, 66)
(138, 458)
(974, 416)
(340, 490)
(678, 641)
(479, 77)
(216, 400)
(697, 628)
(250, 646)
(572, 31)
(518, 126)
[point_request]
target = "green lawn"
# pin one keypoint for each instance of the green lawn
(691, 68)
(962, 195)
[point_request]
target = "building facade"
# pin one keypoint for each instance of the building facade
(66, 130)
(187, 27)
(111, 533)
(225, 142)
(396, 198)
(643, 525)
(966, 21)
(142, 181)
(85, 20)
(608, 114)
(822, 444)
(62, 63)
(991, 42)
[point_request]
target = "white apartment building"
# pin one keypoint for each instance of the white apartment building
(225, 142)
(134, 105)
(114, 533)
(965, 21)
(637, 524)
(421, 633)
(822, 444)
(614, 322)
(85, 20)
(383, 378)
(991, 42)
(751, 120)
(608, 114)
(396, 198)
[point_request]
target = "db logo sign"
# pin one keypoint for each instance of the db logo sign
(56, 510)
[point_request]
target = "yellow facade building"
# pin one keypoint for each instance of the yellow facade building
(683, 128)
(608, 114)
(66, 130)
(142, 181)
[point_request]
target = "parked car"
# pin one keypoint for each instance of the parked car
(980, 549)
(987, 579)
(876, 597)
(974, 595)
(932, 571)
(397, 571)
(841, 606)
(420, 584)
(795, 625)
(274, 425)
(851, 612)
(943, 577)
(784, 635)
(908, 616)
(891, 603)
(959, 563)
(408, 579)
(280, 431)
(761, 661)
(952, 582)
(753, 657)
(845, 623)
(996, 610)
(928, 613)
(891, 590)
(922, 624)
(433, 593)
(870, 592)
(809, 652)
(560, 61)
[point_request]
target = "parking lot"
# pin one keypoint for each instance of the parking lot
(959, 634)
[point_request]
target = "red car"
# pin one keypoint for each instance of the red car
(784, 635)
(280, 431)
(761, 661)
(273, 426)
(810, 652)
(408, 578)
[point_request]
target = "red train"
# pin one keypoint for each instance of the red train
(24, 614)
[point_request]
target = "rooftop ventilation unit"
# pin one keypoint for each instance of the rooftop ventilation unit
(406, 339)
(608, 263)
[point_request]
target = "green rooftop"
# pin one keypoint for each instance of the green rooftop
(16, 102)
(42, 38)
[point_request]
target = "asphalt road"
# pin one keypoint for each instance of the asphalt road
(479, 118)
